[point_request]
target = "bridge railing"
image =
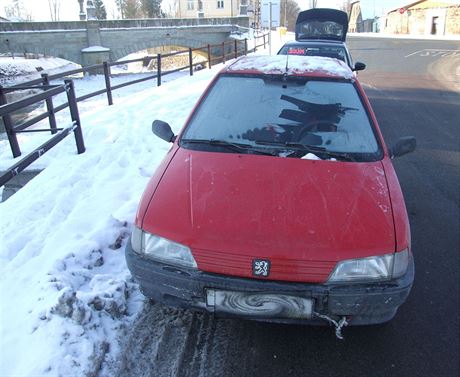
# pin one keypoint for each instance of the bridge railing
(226, 51)
(58, 134)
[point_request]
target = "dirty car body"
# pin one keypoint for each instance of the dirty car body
(277, 201)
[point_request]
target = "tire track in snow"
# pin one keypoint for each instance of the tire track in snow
(166, 342)
(154, 342)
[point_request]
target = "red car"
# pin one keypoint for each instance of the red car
(277, 201)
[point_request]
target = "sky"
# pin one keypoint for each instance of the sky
(70, 8)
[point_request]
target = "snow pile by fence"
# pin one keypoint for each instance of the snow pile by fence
(67, 296)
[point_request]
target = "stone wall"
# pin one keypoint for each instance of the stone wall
(453, 20)
(69, 40)
(65, 44)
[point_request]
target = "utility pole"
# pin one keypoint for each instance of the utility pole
(270, 30)
(285, 10)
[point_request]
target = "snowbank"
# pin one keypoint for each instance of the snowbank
(29, 69)
(67, 295)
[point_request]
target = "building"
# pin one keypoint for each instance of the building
(355, 18)
(357, 24)
(424, 17)
(212, 8)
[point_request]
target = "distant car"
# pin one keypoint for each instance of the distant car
(277, 201)
(321, 32)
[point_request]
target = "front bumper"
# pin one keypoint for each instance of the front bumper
(362, 304)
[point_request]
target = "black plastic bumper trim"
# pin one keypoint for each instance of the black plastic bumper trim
(368, 303)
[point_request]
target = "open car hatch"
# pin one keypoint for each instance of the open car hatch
(321, 23)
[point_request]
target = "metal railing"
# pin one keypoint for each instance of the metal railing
(227, 50)
(48, 92)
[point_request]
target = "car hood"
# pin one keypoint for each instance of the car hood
(321, 23)
(302, 215)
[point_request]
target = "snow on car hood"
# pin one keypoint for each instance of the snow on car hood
(303, 215)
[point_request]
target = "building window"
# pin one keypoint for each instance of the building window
(220, 4)
(190, 5)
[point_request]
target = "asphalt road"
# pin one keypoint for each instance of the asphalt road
(414, 87)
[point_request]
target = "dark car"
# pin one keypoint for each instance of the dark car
(321, 32)
(277, 201)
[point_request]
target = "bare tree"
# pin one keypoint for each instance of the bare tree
(129, 8)
(289, 12)
(120, 6)
(55, 9)
(17, 11)
(152, 9)
(140, 8)
(101, 13)
(346, 5)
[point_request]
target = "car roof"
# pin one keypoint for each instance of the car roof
(313, 66)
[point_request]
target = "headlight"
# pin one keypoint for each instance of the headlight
(382, 267)
(161, 249)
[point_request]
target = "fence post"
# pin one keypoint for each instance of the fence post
(223, 52)
(9, 128)
(49, 106)
(108, 86)
(236, 49)
(245, 46)
(73, 107)
(209, 56)
(158, 69)
(264, 40)
(190, 61)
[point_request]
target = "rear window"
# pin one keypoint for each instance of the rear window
(317, 29)
(253, 109)
(336, 52)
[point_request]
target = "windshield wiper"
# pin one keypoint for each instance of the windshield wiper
(231, 145)
(322, 151)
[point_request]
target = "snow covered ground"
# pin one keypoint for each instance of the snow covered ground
(67, 298)
(30, 69)
(66, 292)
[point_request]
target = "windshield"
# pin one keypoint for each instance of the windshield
(283, 115)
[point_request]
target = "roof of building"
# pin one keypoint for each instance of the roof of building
(296, 65)
(430, 3)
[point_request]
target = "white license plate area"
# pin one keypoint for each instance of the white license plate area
(261, 305)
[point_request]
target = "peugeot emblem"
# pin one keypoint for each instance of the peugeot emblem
(261, 267)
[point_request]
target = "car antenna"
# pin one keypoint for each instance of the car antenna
(287, 67)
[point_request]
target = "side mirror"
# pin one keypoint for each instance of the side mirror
(359, 66)
(163, 131)
(404, 145)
